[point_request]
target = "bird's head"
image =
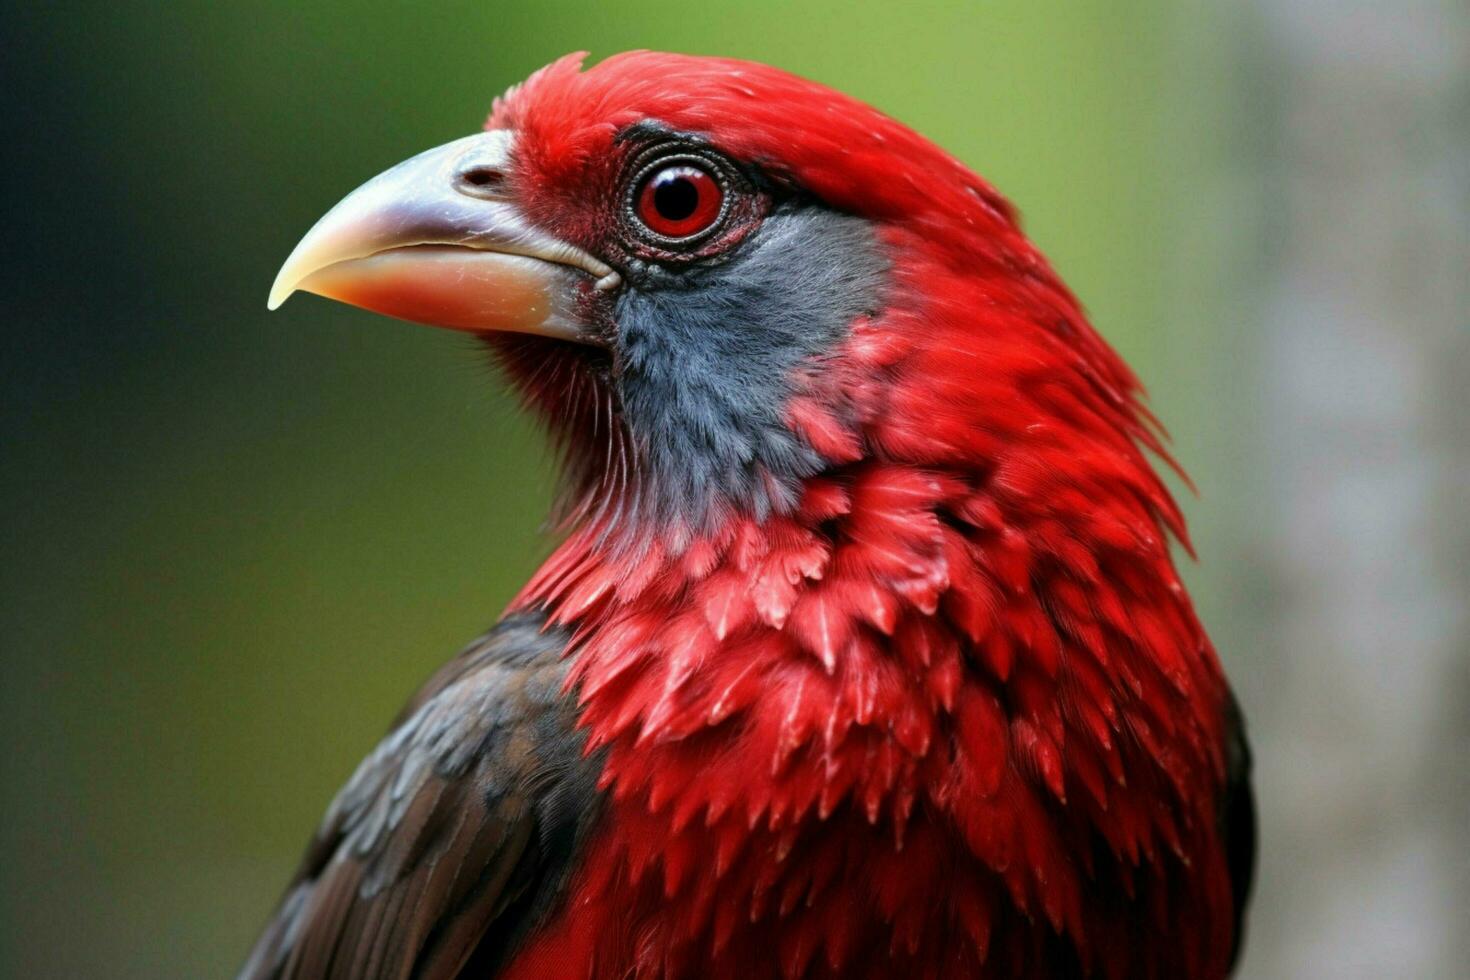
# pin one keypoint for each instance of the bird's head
(715, 280)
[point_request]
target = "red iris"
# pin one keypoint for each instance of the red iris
(680, 201)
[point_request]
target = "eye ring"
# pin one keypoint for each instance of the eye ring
(679, 200)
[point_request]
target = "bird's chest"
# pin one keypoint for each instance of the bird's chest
(653, 901)
(810, 831)
(871, 751)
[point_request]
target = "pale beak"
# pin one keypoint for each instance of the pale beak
(440, 240)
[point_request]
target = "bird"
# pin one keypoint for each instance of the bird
(862, 650)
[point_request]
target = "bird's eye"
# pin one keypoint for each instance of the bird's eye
(679, 201)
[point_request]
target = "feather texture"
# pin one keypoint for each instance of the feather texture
(946, 713)
(455, 836)
(875, 639)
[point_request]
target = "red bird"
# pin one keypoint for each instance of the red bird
(863, 654)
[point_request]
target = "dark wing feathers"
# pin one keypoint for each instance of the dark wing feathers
(455, 836)
(1238, 816)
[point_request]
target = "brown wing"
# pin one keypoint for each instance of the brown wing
(455, 836)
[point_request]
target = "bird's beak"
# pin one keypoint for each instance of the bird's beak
(439, 239)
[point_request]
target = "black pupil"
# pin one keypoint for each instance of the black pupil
(674, 196)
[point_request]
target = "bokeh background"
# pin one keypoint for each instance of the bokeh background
(231, 543)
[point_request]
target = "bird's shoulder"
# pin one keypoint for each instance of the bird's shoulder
(455, 836)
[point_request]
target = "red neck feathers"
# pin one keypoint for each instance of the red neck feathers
(950, 715)
(950, 700)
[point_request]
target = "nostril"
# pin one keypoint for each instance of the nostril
(484, 177)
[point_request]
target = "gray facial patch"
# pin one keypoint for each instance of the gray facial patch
(707, 359)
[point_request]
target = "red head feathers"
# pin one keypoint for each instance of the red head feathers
(882, 660)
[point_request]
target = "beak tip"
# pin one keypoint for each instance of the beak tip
(281, 291)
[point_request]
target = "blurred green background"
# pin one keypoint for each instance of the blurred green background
(232, 543)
